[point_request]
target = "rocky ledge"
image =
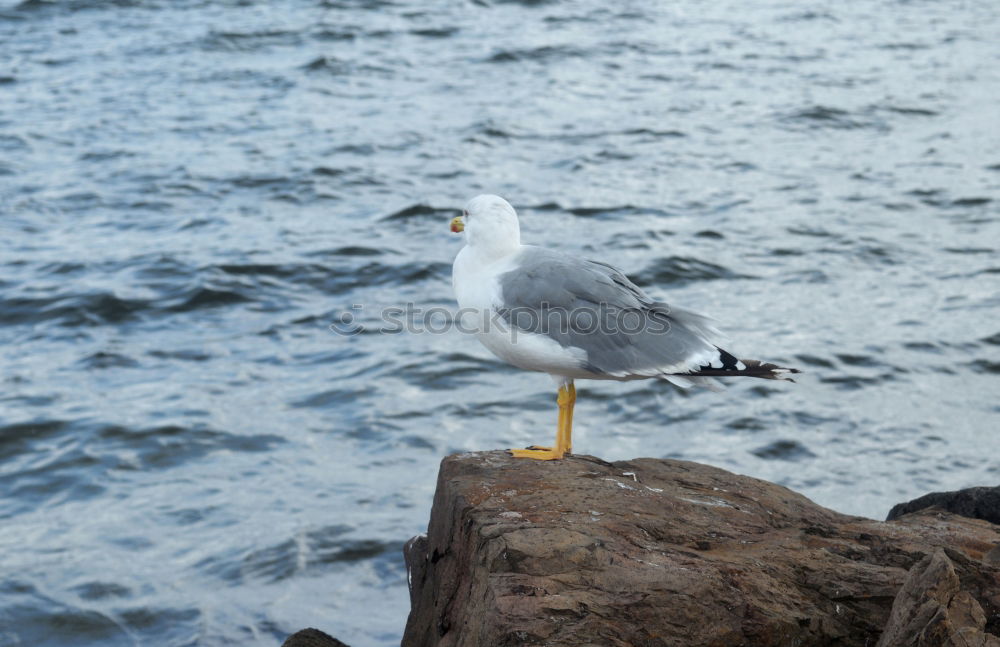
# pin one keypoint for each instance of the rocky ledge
(652, 552)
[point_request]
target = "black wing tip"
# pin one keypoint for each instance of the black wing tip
(751, 368)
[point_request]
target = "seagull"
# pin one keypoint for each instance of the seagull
(544, 310)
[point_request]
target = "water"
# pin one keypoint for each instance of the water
(192, 192)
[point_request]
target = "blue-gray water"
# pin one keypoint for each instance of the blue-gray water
(192, 191)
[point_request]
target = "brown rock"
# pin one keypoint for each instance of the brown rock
(974, 502)
(311, 638)
(931, 611)
(659, 552)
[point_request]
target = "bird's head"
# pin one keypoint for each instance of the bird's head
(489, 222)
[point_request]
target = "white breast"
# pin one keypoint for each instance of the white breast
(478, 293)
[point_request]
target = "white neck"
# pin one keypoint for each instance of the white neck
(490, 240)
(492, 250)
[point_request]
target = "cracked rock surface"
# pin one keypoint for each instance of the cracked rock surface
(932, 609)
(661, 552)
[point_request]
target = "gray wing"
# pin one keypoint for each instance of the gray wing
(594, 307)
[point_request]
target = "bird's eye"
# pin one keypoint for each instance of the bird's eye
(465, 214)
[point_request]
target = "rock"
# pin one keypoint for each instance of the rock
(311, 638)
(930, 610)
(660, 552)
(974, 502)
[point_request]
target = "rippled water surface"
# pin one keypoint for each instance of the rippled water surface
(191, 192)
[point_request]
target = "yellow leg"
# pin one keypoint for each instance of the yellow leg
(564, 430)
(567, 426)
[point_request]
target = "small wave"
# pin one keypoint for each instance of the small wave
(402, 274)
(335, 34)
(738, 167)
(90, 309)
(836, 118)
(441, 32)
(336, 278)
(875, 254)
(654, 133)
(992, 340)
(805, 276)
(206, 297)
(63, 268)
(419, 211)
(353, 551)
(492, 129)
(35, 5)
(985, 366)
(784, 450)
(608, 155)
(349, 250)
(186, 355)
(38, 619)
(609, 213)
(452, 371)
(923, 347)
(814, 232)
(172, 445)
(333, 398)
(79, 201)
(353, 149)
(543, 54)
(329, 172)
(717, 65)
(813, 360)
(253, 181)
(748, 424)
(270, 564)
(917, 112)
(939, 198)
(105, 156)
(971, 202)
(969, 250)
(807, 16)
(821, 113)
(339, 67)
(907, 46)
(268, 269)
(681, 269)
(17, 438)
(98, 590)
(101, 360)
(848, 382)
(523, 3)
(368, 5)
(239, 78)
(312, 551)
(69, 471)
(328, 64)
(356, 250)
(858, 360)
(75, 5)
(250, 41)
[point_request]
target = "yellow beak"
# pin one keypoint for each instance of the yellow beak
(457, 225)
